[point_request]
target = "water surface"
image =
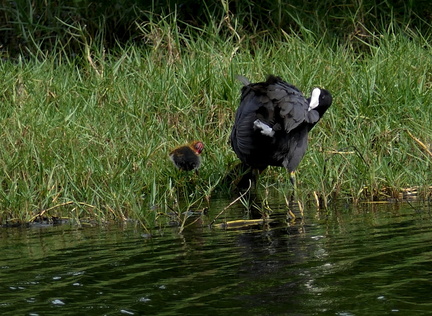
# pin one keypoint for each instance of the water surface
(366, 260)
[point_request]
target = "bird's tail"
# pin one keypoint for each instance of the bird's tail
(243, 80)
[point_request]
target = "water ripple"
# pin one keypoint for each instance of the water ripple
(347, 263)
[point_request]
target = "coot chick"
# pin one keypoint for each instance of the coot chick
(187, 157)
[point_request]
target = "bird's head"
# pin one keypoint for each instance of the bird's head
(320, 101)
(197, 146)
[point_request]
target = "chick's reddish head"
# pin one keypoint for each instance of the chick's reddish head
(197, 146)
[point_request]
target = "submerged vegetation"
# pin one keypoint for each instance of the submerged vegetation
(87, 135)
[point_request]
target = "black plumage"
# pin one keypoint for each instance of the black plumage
(272, 123)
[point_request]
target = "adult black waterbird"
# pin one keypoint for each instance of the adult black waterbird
(187, 157)
(272, 124)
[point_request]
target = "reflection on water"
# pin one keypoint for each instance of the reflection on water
(370, 260)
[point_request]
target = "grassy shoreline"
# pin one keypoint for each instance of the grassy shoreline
(90, 137)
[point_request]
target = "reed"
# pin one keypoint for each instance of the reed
(33, 27)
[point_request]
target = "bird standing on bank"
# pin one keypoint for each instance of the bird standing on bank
(187, 158)
(272, 124)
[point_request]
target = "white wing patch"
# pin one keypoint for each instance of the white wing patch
(265, 129)
(314, 99)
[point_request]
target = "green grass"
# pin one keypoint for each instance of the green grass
(89, 137)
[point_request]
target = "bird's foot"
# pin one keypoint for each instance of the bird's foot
(265, 129)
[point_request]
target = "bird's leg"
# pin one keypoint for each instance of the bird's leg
(294, 183)
(292, 178)
(294, 195)
(255, 176)
(265, 129)
(290, 215)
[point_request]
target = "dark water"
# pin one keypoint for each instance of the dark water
(370, 260)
